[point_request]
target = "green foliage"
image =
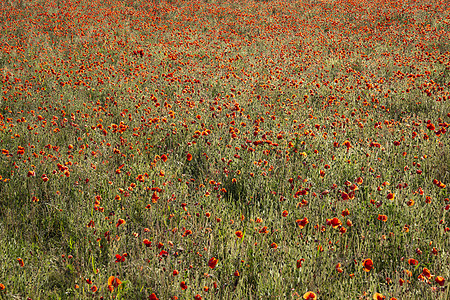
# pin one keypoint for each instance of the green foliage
(140, 139)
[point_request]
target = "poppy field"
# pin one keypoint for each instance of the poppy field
(224, 149)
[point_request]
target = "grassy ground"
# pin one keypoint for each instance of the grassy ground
(304, 145)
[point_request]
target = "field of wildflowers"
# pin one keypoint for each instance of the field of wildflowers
(224, 149)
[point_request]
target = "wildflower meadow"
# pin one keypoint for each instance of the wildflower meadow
(218, 149)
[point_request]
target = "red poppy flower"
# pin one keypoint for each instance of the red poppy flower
(113, 282)
(368, 264)
(153, 297)
(382, 218)
(21, 263)
(121, 258)
(198, 297)
(285, 213)
(236, 273)
(189, 157)
(213, 262)
(44, 178)
(390, 196)
(359, 180)
(335, 222)
(147, 242)
(440, 280)
(299, 263)
(302, 223)
(274, 245)
(347, 144)
(239, 234)
(412, 261)
(183, 285)
(120, 222)
(94, 288)
(345, 196)
(426, 273)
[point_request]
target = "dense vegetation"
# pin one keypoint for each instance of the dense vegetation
(224, 149)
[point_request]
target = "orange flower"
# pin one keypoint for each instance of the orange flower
(285, 213)
(113, 282)
(368, 264)
(147, 242)
(236, 273)
(239, 234)
(382, 218)
(378, 296)
(406, 228)
(412, 261)
(189, 157)
(302, 223)
(347, 144)
(2, 287)
(390, 196)
(440, 280)
(335, 222)
(20, 262)
(213, 262)
(426, 273)
(94, 288)
(198, 297)
(175, 272)
(309, 295)
(274, 245)
(183, 285)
